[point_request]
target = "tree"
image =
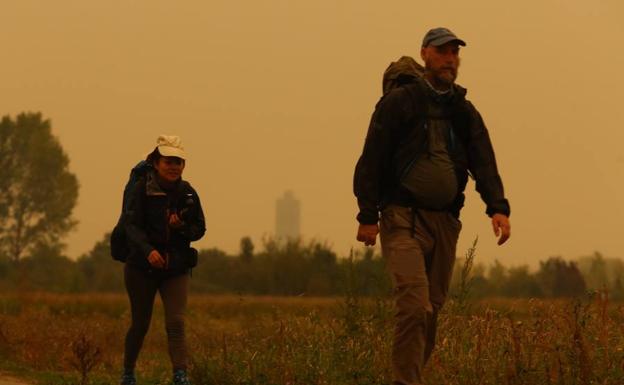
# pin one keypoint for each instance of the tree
(497, 276)
(322, 269)
(520, 283)
(595, 271)
(100, 271)
(213, 272)
(38, 193)
(601, 272)
(46, 269)
(246, 249)
(557, 278)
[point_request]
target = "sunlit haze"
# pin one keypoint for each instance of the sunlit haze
(276, 95)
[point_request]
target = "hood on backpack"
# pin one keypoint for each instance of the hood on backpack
(403, 71)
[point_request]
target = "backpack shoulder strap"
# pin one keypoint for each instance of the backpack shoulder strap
(138, 172)
(418, 99)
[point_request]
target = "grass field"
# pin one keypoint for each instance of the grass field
(73, 339)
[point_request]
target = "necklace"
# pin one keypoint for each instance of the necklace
(435, 89)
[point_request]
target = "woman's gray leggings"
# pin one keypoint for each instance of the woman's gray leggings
(142, 287)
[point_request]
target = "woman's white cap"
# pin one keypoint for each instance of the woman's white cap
(170, 145)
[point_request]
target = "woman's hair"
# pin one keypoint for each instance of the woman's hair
(153, 156)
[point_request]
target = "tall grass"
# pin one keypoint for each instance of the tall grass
(236, 340)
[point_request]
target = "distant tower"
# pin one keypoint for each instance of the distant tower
(287, 216)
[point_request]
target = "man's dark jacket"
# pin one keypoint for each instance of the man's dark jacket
(147, 225)
(397, 135)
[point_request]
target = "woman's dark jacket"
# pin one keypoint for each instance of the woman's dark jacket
(397, 135)
(147, 225)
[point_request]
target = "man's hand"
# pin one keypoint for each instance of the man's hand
(155, 259)
(502, 228)
(368, 234)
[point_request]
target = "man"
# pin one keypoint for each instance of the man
(424, 140)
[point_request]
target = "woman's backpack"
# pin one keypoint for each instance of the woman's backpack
(118, 241)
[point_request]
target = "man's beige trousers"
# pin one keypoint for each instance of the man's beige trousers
(419, 247)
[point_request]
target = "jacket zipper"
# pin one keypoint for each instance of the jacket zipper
(415, 157)
(167, 234)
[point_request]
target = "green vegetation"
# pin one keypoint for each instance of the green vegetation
(38, 191)
(273, 340)
(235, 340)
(296, 268)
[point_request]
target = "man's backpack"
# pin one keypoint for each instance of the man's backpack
(403, 71)
(118, 241)
(407, 71)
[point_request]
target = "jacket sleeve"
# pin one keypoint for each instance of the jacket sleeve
(482, 165)
(374, 160)
(135, 220)
(194, 224)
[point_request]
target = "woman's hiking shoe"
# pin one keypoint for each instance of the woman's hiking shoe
(127, 379)
(180, 378)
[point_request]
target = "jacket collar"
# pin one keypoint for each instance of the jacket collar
(153, 188)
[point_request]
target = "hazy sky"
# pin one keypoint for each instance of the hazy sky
(275, 95)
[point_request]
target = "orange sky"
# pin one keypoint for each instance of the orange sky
(275, 95)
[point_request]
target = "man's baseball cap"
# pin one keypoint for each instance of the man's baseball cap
(439, 36)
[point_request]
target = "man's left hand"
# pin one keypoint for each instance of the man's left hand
(502, 228)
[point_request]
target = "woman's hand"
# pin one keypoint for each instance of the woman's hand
(174, 221)
(156, 260)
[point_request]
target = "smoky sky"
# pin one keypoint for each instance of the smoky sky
(269, 96)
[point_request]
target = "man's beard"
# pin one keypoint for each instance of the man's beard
(445, 76)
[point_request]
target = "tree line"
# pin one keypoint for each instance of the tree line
(297, 268)
(38, 194)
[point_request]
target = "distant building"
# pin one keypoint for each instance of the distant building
(287, 216)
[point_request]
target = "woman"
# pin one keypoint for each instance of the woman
(163, 216)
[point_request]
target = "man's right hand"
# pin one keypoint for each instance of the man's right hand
(368, 234)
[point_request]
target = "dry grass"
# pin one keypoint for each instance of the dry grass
(265, 340)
